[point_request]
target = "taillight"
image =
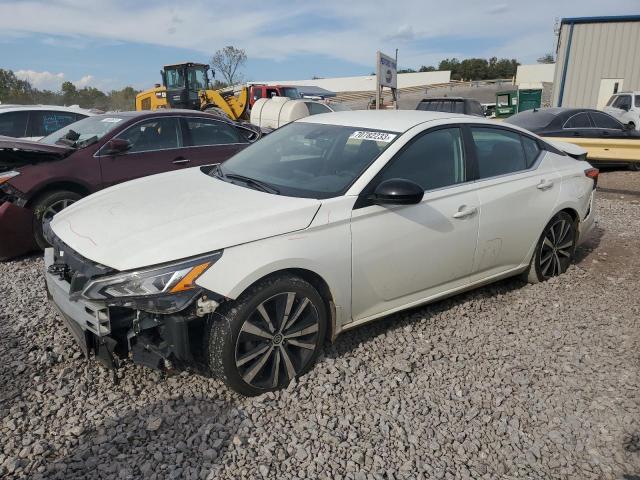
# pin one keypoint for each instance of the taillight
(593, 174)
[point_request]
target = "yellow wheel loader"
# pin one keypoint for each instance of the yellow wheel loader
(186, 85)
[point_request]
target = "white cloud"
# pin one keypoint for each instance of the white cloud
(53, 81)
(279, 29)
(86, 81)
(41, 80)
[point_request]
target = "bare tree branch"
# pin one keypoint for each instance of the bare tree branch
(227, 61)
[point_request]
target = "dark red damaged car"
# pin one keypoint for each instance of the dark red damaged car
(38, 179)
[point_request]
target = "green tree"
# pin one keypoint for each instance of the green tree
(430, 68)
(547, 58)
(69, 93)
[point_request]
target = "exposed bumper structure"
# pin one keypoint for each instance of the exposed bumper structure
(117, 333)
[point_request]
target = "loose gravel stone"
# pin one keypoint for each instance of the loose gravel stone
(507, 381)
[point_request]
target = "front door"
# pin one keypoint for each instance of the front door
(156, 147)
(405, 254)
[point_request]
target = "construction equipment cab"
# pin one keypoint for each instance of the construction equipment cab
(183, 81)
(181, 84)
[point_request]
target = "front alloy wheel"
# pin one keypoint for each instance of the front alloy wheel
(269, 336)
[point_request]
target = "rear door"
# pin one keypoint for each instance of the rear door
(208, 141)
(517, 189)
(156, 146)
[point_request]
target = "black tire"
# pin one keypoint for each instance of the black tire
(634, 167)
(549, 259)
(253, 364)
(47, 205)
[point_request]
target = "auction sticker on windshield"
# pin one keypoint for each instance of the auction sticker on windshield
(111, 120)
(375, 136)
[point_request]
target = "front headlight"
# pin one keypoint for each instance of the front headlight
(164, 289)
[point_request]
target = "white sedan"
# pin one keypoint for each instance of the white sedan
(246, 268)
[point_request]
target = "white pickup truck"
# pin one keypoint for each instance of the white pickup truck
(625, 106)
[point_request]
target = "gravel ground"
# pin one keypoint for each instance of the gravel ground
(508, 381)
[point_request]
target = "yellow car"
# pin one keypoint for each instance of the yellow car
(606, 140)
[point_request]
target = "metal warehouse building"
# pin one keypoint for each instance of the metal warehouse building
(596, 57)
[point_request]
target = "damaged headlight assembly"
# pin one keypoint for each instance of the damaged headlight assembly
(162, 289)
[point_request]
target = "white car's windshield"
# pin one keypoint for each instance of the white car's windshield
(308, 159)
(90, 128)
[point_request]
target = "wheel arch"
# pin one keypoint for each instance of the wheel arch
(75, 187)
(319, 283)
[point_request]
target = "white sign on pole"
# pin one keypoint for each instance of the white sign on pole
(387, 71)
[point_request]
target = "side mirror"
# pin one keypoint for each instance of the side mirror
(397, 191)
(117, 146)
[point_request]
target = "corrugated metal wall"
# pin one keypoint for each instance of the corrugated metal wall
(598, 50)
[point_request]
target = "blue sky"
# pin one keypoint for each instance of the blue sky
(112, 43)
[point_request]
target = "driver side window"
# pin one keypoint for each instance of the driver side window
(433, 160)
(154, 134)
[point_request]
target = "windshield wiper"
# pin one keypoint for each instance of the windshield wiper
(252, 182)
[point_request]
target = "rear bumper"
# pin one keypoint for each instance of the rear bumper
(16, 231)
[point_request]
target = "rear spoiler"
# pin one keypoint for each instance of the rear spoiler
(570, 149)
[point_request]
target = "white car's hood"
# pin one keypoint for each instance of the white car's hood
(175, 215)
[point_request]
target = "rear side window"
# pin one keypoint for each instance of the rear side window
(203, 131)
(14, 124)
(475, 109)
(499, 152)
(458, 107)
(44, 123)
(316, 108)
(637, 101)
(602, 120)
(531, 150)
(434, 160)
(580, 120)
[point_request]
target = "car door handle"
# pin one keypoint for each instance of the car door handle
(465, 211)
(181, 161)
(545, 184)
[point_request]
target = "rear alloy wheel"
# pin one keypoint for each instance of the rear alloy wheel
(555, 249)
(44, 209)
(270, 336)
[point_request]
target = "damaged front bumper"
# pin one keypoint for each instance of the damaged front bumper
(116, 333)
(16, 230)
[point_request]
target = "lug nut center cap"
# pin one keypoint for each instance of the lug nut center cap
(277, 339)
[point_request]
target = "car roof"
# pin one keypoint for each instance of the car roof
(390, 120)
(59, 108)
